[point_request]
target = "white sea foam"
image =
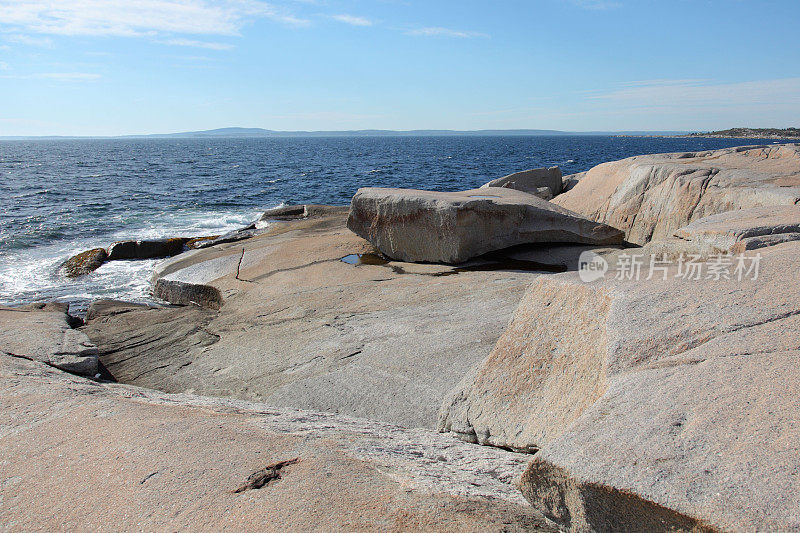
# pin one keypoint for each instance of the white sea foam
(32, 274)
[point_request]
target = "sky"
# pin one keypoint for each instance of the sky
(115, 67)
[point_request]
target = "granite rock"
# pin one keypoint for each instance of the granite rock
(651, 196)
(441, 227)
(84, 262)
(532, 181)
(650, 397)
(46, 336)
(82, 455)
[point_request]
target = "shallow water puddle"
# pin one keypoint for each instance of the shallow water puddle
(365, 259)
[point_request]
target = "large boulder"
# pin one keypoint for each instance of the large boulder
(46, 336)
(651, 196)
(452, 227)
(531, 181)
(666, 399)
(82, 455)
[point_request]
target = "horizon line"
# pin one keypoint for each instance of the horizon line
(256, 132)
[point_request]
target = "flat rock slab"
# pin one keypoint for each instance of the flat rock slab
(80, 455)
(299, 327)
(671, 398)
(46, 336)
(452, 227)
(652, 196)
(745, 229)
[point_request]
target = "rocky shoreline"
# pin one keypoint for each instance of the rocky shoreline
(438, 361)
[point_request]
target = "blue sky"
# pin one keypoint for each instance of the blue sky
(108, 67)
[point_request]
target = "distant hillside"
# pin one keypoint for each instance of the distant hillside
(259, 132)
(753, 133)
(231, 133)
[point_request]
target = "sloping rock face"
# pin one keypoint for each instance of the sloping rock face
(441, 227)
(651, 196)
(531, 181)
(81, 455)
(646, 396)
(46, 336)
(298, 327)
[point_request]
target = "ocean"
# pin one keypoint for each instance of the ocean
(60, 197)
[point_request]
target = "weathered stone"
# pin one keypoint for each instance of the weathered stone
(568, 182)
(84, 262)
(232, 236)
(284, 211)
(81, 455)
(531, 181)
(294, 212)
(759, 227)
(199, 242)
(442, 227)
(46, 336)
(652, 196)
(190, 285)
(652, 395)
(301, 328)
(146, 249)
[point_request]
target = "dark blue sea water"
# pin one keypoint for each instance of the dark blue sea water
(59, 197)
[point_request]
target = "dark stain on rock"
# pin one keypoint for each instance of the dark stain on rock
(489, 263)
(263, 477)
(505, 264)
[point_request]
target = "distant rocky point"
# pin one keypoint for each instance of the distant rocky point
(752, 133)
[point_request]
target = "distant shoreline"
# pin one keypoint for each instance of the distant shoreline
(711, 136)
(259, 133)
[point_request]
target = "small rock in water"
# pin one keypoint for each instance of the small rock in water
(146, 249)
(84, 262)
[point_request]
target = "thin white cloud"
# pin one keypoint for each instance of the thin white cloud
(131, 18)
(446, 32)
(3, 65)
(198, 44)
(353, 20)
(29, 40)
(692, 93)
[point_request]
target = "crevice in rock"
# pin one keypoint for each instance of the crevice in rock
(289, 269)
(239, 267)
(263, 477)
